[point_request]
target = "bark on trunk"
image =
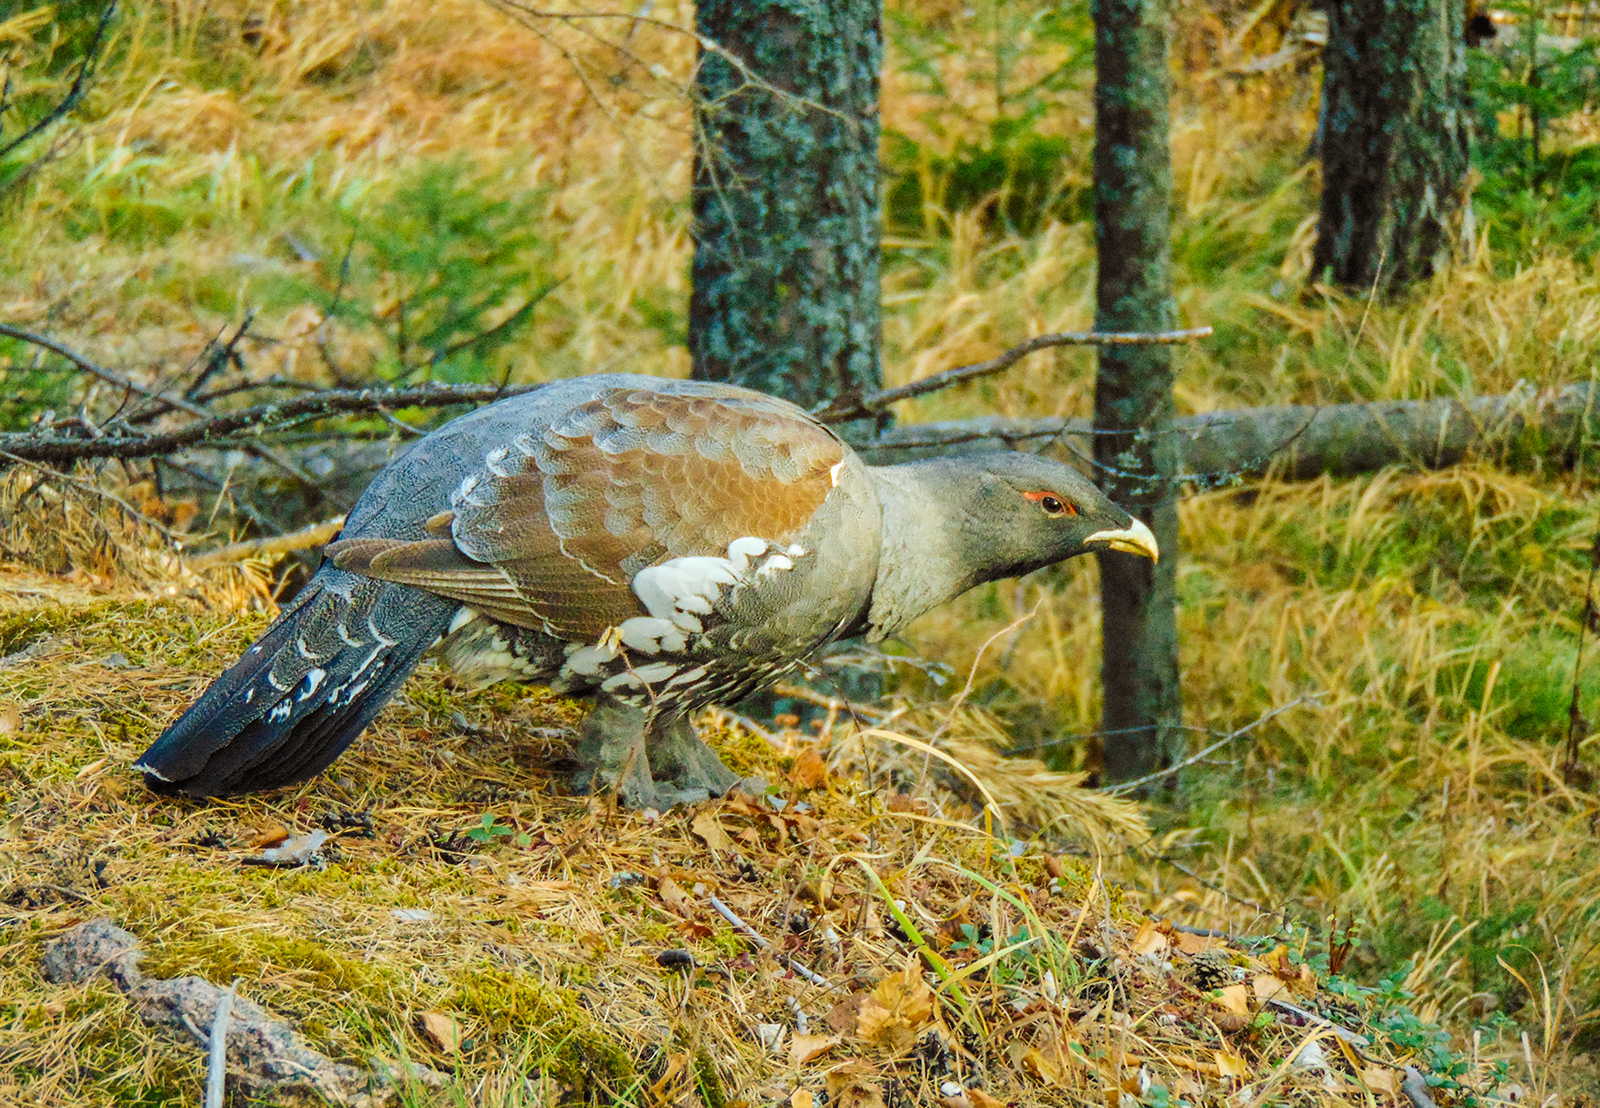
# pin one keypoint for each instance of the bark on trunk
(1133, 391)
(786, 208)
(1394, 140)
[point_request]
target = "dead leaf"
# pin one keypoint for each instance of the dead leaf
(271, 835)
(804, 1048)
(801, 1098)
(10, 721)
(1235, 999)
(981, 1099)
(810, 771)
(1231, 1065)
(1304, 985)
(1381, 1079)
(673, 896)
(443, 1031)
(842, 1016)
(954, 1102)
(1269, 986)
(853, 1085)
(1149, 939)
(1051, 1063)
(897, 1010)
(1194, 944)
(705, 825)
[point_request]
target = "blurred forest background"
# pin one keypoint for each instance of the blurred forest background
(270, 198)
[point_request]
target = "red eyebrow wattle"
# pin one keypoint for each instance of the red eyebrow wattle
(1069, 506)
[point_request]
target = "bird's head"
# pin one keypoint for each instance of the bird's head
(1017, 512)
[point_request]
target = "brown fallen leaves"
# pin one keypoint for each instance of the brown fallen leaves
(898, 1010)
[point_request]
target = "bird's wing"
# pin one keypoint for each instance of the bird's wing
(550, 532)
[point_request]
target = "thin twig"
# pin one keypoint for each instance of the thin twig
(756, 937)
(80, 84)
(1129, 786)
(217, 1063)
(844, 408)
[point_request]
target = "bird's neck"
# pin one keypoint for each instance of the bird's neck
(923, 561)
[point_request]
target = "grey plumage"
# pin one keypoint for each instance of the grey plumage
(656, 546)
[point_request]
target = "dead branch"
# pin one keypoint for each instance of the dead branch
(123, 381)
(304, 539)
(222, 432)
(842, 409)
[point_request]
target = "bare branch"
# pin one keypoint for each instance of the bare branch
(304, 539)
(1139, 783)
(844, 408)
(123, 381)
(80, 84)
(219, 432)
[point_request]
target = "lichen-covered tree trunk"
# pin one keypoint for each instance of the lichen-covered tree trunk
(786, 205)
(1394, 140)
(1133, 392)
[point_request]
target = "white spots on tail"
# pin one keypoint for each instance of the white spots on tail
(464, 490)
(313, 682)
(281, 711)
(464, 615)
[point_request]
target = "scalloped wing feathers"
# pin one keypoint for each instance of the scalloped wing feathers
(550, 532)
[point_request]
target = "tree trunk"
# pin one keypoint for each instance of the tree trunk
(786, 208)
(1133, 391)
(1394, 140)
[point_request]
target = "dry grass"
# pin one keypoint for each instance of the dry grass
(1437, 612)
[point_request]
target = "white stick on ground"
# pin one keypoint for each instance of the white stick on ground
(217, 1066)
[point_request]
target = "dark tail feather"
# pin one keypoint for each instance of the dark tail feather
(302, 692)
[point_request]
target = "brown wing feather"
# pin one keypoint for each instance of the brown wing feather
(567, 515)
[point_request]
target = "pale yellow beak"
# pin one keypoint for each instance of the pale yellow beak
(1137, 539)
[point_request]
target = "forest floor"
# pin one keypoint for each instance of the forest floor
(1404, 830)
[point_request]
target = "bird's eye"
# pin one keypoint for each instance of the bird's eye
(1052, 504)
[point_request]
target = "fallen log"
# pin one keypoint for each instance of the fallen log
(1300, 442)
(266, 1057)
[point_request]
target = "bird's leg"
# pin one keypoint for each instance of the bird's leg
(611, 755)
(622, 744)
(694, 769)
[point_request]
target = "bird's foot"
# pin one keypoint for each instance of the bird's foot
(672, 767)
(680, 756)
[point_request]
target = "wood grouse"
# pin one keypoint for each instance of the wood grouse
(654, 545)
